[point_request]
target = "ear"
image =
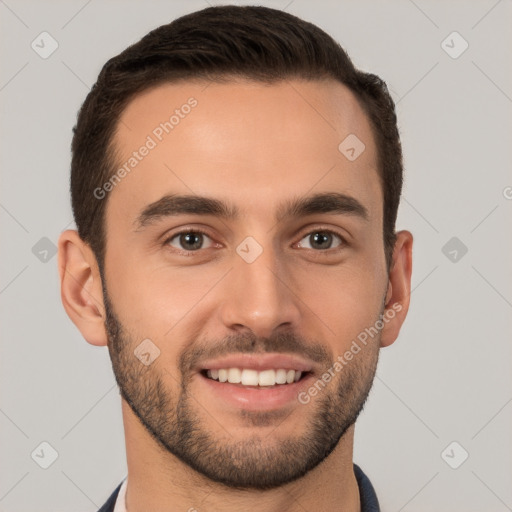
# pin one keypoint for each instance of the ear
(399, 288)
(80, 287)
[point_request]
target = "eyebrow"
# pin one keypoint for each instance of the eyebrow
(174, 205)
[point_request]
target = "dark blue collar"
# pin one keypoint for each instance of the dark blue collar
(367, 496)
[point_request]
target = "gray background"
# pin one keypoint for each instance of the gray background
(446, 379)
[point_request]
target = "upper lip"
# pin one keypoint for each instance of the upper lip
(258, 362)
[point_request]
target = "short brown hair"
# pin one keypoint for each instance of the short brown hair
(254, 42)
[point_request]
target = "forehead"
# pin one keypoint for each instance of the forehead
(244, 140)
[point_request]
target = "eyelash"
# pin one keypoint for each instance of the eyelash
(343, 244)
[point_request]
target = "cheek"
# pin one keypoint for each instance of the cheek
(155, 301)
(346, 300)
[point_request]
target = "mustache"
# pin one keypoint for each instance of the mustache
(249, 343)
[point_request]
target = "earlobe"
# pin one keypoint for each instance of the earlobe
(81, 290)
(399, 288)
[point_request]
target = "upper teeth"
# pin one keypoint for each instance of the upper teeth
(253, 377)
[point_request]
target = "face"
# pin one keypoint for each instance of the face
(273, 266)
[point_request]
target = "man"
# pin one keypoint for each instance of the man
(235, 184)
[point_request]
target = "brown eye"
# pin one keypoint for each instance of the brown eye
(188, 240)
(321, 240)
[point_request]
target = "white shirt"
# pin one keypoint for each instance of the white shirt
(120, 505)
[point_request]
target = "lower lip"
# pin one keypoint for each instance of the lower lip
(257, 398)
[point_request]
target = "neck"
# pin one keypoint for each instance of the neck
(160, 482)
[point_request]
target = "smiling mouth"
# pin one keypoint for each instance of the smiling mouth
(264, 379)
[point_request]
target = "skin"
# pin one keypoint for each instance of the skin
(254, 146)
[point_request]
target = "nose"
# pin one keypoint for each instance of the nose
(259, 296)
